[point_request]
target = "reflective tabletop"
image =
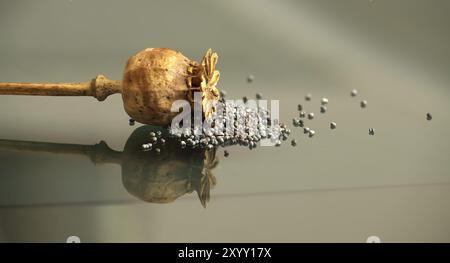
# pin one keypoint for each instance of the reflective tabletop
(73, 166)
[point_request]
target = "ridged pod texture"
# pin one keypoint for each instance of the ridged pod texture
(153, 79)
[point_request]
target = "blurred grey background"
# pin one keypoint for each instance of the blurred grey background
(340, 186)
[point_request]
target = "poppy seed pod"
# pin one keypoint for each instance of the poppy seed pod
(156, 77)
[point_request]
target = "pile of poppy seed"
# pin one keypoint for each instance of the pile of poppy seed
(242, 124)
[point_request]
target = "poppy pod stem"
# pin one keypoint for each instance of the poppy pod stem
(100, 88)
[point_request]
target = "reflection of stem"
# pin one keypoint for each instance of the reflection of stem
(98, 153)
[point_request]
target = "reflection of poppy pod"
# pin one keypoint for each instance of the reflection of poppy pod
(163, 177)
(156, 77)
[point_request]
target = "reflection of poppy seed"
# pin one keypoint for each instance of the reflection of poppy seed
(225, 153)
(324, 101)
(258, 96)
(323, 109)
(308, 97)
(353, 93)
(299, 107)
(250, 78)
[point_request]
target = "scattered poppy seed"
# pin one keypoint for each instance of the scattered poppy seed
(250, 78)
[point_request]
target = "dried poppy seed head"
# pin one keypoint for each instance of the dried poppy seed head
(156, 77)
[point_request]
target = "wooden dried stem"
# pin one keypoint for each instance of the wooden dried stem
(100, 87)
